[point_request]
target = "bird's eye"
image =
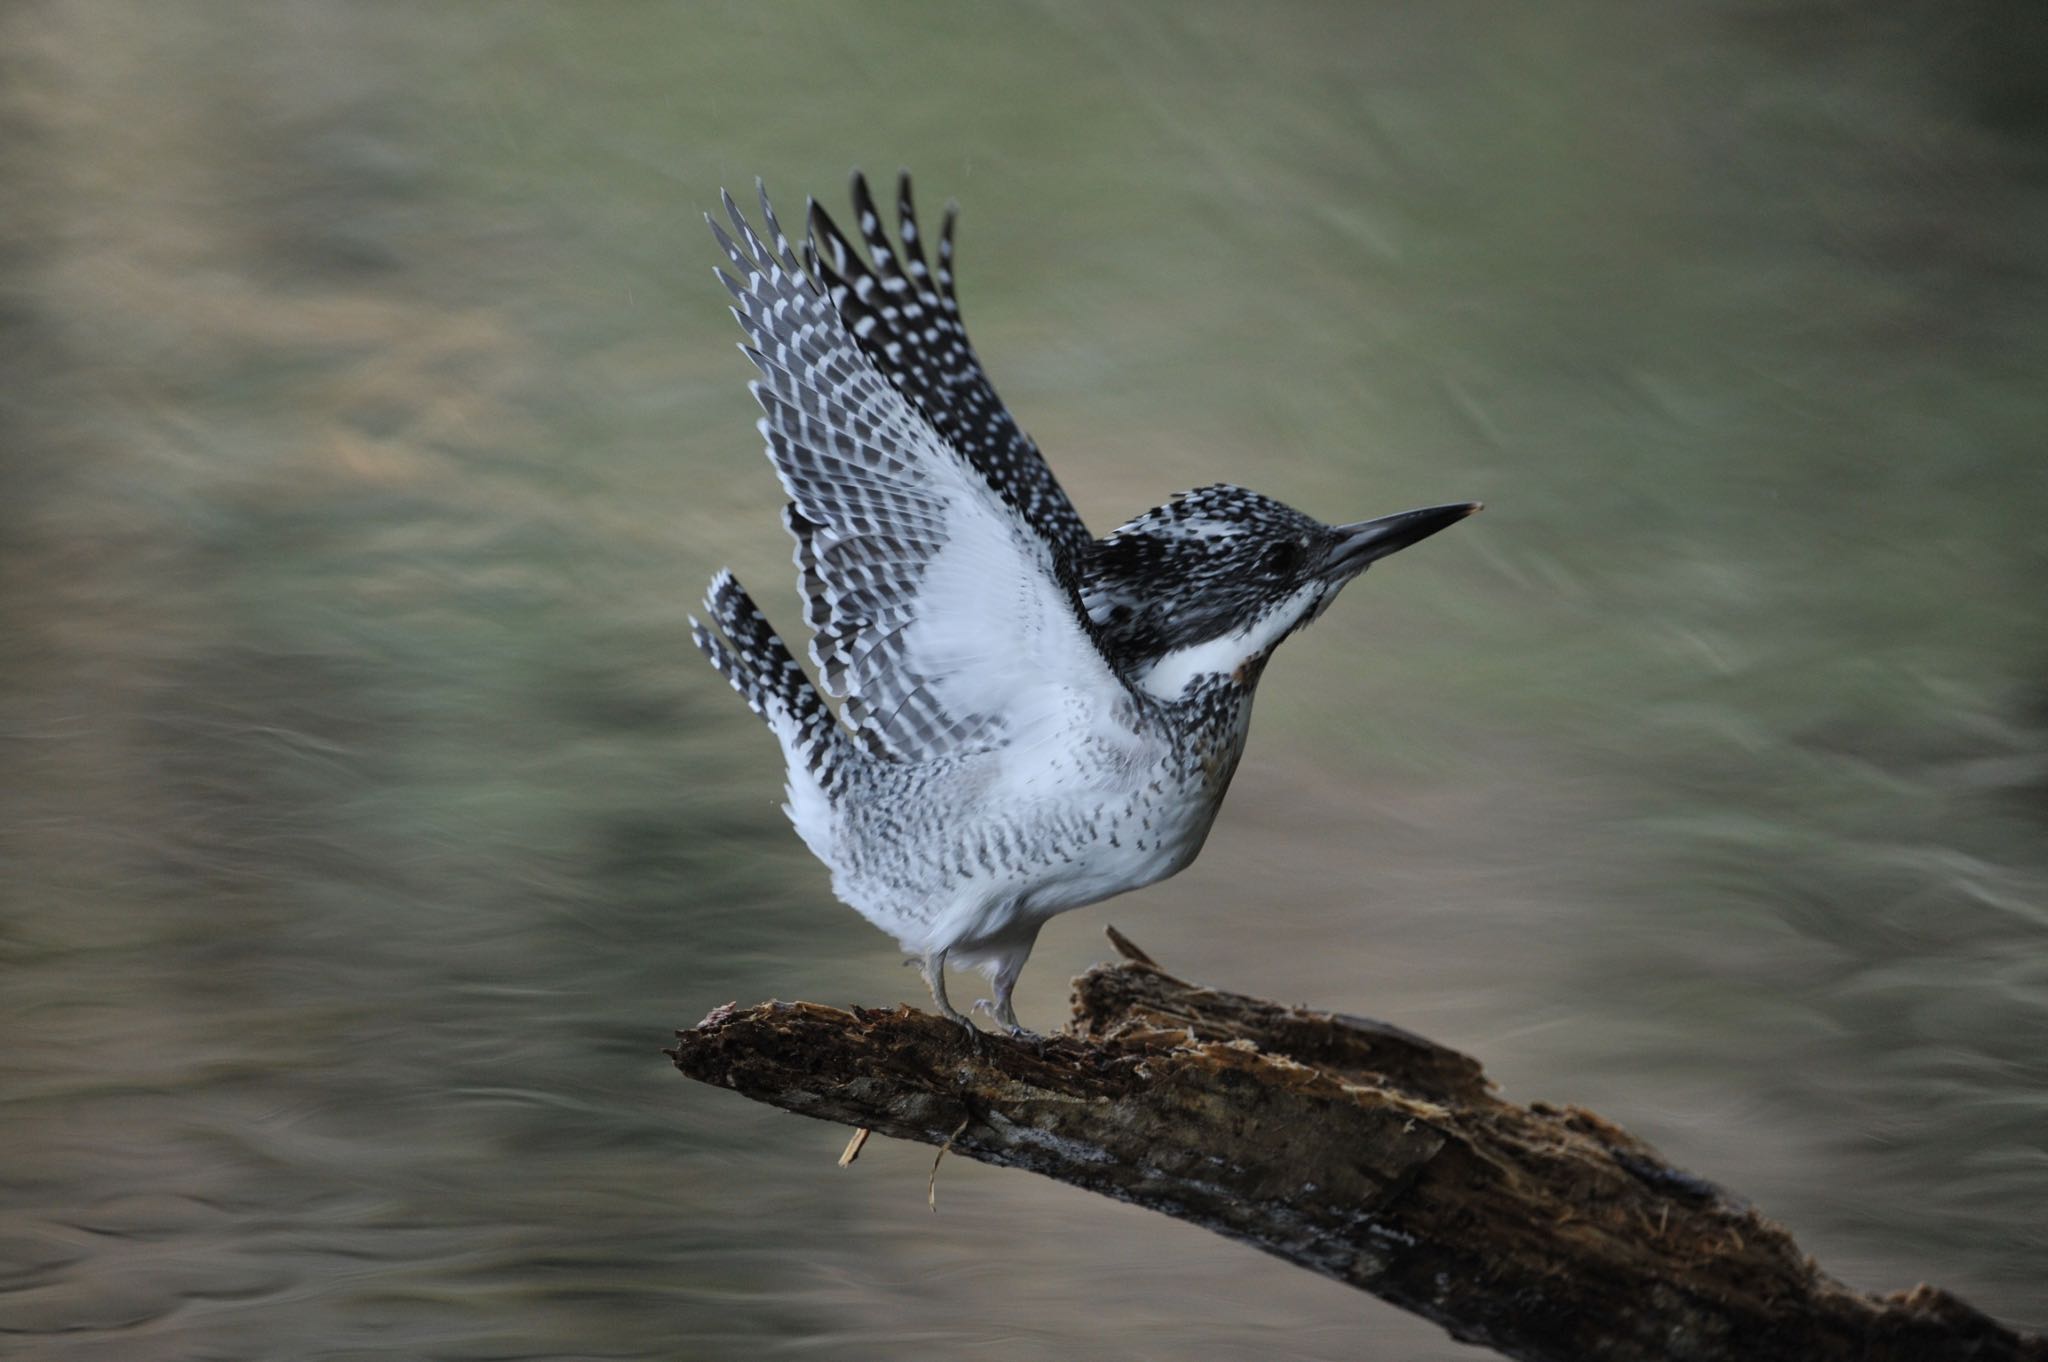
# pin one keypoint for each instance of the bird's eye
(1282, 558)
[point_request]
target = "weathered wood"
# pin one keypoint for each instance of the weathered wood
(1357, 1150)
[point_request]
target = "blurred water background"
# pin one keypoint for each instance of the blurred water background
(371, 423)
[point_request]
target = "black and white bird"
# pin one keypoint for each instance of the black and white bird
(1031, 719)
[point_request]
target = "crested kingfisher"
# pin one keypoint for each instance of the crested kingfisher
(1031, 719)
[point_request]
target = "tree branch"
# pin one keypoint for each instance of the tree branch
(1357, 1150)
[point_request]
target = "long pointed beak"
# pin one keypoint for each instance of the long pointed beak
(1367, 541)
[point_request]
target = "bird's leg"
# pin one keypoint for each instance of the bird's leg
(1004, 1012)
(934, 969)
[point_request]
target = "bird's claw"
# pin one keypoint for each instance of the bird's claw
(1010, 1026)
(977, 1039)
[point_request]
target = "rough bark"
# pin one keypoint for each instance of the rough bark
(1357, 1150)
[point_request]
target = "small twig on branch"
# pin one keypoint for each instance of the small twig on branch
(1357, 1150)
(931, 1188)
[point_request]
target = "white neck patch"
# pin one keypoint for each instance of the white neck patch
(1173, 673)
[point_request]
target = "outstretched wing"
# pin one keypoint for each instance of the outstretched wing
(907, 322)
(940, 613)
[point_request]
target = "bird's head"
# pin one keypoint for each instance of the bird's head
(1211, 582)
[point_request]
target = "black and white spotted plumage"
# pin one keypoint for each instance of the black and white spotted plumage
(899, 534)
(1030, 720)
(1177, 543)
(906, 318)
(761, 668)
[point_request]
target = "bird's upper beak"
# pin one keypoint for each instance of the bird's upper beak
(1369, 540)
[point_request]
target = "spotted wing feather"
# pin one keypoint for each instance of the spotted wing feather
(939, 612)
(906, 319)
(755, 662)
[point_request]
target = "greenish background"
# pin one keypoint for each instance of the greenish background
(372, 423)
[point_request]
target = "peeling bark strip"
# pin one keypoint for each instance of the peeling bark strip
(1355, 1149)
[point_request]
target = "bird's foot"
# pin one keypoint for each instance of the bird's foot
(977, 1039)
(1007, 1021)
(934, 967)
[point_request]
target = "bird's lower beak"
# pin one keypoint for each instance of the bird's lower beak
(1367, 541)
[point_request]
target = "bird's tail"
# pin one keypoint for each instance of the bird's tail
(760, 667)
